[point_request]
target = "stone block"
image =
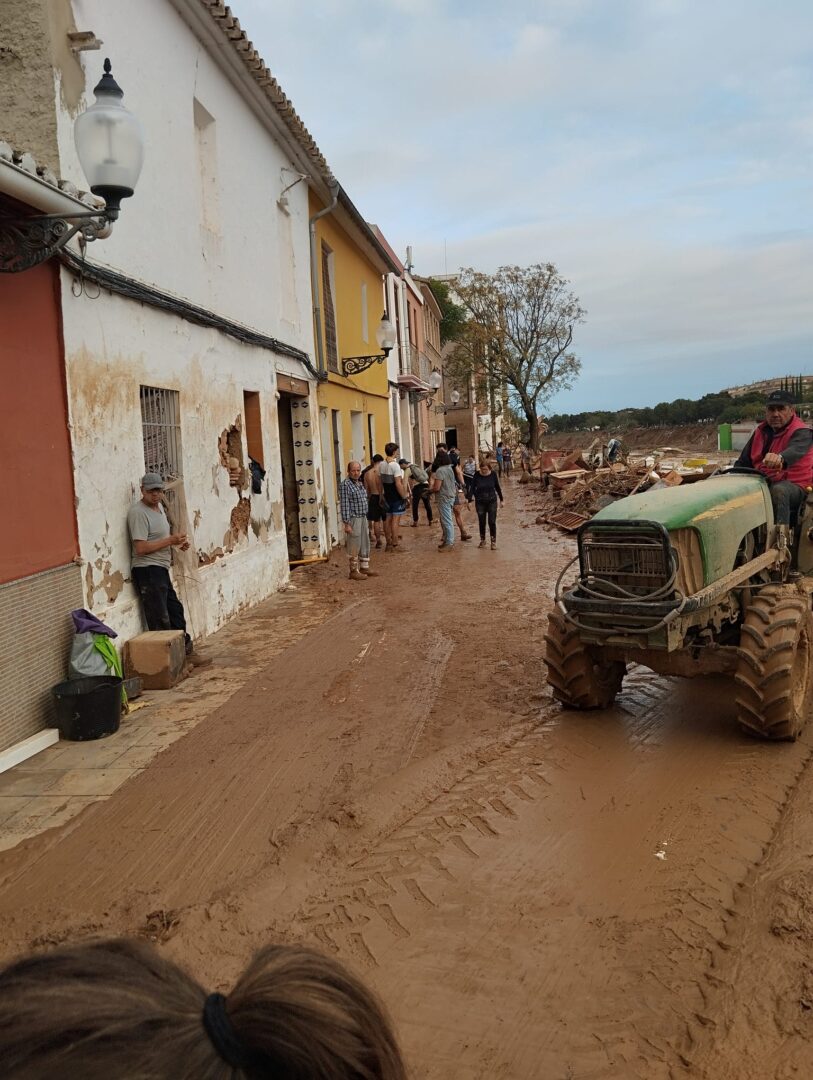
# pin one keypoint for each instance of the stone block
(157, 657)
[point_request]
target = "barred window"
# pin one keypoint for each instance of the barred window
(161, 432)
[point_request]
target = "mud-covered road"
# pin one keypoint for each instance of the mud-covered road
(535, 894)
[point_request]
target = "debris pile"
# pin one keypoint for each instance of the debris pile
(576, 486)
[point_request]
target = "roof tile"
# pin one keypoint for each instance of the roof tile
(230, 26)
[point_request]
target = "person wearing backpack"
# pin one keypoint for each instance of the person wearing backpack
(418, 480)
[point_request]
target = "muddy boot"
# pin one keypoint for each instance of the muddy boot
(465, 536)
(354, 570)
(493, 545)
(482, 542)
(364, 568)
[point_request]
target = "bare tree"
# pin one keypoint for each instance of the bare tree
(519, 332)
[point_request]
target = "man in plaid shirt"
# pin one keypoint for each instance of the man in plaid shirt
(353, 510)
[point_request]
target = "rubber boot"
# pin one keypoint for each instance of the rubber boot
(364, 569)
(354, 569)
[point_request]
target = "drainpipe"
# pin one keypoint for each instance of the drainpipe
(317, 304)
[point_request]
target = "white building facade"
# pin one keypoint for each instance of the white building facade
(188, 334)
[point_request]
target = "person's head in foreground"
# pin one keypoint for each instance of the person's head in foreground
(119, 1009)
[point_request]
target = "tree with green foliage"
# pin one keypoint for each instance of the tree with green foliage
(519, 332)
(715, 408)
(453, 316)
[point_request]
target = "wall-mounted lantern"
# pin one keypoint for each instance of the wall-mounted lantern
(110, 145)
(385, 336)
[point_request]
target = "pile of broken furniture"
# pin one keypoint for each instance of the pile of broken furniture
(578, 484)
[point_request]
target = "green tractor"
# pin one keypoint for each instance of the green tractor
(691, 580)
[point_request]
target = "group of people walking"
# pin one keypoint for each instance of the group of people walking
(373, 501)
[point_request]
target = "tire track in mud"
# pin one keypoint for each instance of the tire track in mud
(610, 896)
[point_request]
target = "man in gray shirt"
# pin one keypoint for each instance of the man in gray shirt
(151, 541)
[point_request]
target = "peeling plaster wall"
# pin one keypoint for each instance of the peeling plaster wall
(27, 119)
(35, 56)
(238, 551)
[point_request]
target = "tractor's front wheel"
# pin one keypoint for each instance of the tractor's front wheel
(773, 672)
(578, 680)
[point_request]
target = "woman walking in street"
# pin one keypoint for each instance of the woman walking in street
(444, 484)
(485, 492)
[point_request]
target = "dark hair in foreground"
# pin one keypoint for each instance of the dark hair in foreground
(441, 458)
(119, 1008)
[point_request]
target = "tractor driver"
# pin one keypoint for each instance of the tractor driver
(782, 449)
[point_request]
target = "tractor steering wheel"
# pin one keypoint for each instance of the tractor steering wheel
(743, 470)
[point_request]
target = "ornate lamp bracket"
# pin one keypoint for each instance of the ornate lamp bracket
(27, 242)
(354, 365)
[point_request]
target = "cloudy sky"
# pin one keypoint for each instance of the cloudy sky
(658, 151)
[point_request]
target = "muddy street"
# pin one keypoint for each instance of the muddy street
(534, 893)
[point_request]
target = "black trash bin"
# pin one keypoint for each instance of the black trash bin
(88, 708)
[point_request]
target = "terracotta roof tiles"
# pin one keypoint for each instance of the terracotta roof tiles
(229, 24)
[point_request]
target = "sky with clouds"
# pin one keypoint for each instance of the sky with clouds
(658, 151)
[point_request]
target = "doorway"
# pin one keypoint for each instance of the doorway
(290, 486)
(451, 436)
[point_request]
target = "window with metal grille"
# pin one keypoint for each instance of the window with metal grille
(161, 432)
(331, 346)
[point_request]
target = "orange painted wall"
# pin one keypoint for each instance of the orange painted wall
(38, 529)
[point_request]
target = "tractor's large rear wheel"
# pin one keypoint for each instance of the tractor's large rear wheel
(578, 679)
(773, 673)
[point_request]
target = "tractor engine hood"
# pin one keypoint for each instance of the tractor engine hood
(721, 510)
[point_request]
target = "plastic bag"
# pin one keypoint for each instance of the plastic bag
(86, 658)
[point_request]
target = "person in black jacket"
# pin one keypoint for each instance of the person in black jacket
(485, 490)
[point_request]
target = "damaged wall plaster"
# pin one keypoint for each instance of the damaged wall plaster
(33, 49)
(230, 449)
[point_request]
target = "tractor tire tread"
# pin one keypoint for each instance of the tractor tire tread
(577, 680)
(774, 626)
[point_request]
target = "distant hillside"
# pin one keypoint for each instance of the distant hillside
(764, 386)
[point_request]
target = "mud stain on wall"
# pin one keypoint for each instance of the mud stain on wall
(111, 582)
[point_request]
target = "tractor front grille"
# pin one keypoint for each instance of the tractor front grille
(625, 558)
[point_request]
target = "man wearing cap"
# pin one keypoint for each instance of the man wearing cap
(151, 541)
(781, 449)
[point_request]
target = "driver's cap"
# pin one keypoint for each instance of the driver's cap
(779, 397)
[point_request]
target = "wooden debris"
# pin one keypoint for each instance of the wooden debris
(567, 520)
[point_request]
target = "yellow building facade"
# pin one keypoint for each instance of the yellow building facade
(354, 410)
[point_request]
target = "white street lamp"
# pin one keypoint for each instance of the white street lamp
(110, 144)
(385, 335)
